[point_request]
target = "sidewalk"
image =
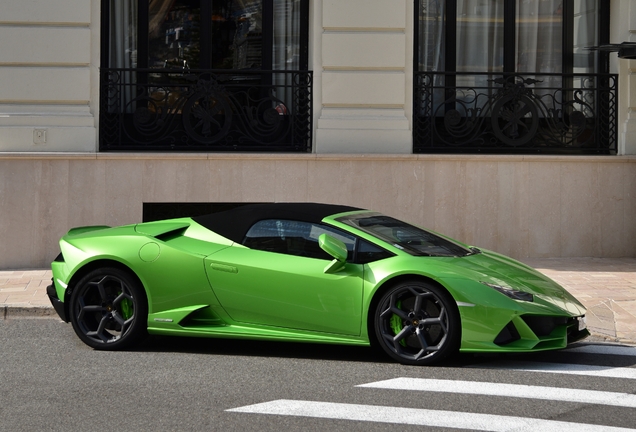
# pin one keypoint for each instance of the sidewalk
(606, 286)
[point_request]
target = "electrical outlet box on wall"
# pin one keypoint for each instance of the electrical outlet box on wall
(39, 136)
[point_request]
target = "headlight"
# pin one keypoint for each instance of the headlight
(512, 293)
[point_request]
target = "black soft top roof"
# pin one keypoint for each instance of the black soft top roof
(234, 224)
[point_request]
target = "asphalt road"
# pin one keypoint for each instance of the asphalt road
(49, 380)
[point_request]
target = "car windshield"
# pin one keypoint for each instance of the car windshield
(408, 238)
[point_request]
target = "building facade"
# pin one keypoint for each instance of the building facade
(488, 121)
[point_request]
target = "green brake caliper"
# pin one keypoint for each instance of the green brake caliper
(396, 323)
(127, 308)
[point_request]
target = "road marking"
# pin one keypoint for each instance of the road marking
(415, 416)
(604, 349)
(564, 368)
(507, 390)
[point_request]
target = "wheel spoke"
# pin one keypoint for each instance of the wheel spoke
(422, 340)
(406, 331)
(443, 320)
(121, 297)
(93, 308)
(430, 321)
(394, 309)
(419, 299)
(119, 320)
(102, 290)
(102, 327)
(397, 311)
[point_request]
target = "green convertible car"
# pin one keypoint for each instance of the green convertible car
(306, 272)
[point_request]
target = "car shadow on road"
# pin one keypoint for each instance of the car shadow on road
(312, 351)
(251, 348)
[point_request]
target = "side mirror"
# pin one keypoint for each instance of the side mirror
(336, 249)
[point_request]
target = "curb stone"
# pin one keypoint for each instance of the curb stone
(16, 312)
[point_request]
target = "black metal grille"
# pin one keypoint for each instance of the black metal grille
(513, 113)
(205, 110)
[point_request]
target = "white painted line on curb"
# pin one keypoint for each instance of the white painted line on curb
(421, 417)
(507, 390)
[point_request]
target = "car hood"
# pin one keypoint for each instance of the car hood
(494, 268)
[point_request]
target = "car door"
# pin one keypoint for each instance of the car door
(278, 279)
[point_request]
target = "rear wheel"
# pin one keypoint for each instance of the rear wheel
(417, 323)
(109, 309)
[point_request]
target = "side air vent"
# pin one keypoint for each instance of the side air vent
(201, 318)
(171, 234)
(162, 230)
(508, 335)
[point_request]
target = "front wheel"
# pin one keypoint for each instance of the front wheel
(109, 309)
(417, 323)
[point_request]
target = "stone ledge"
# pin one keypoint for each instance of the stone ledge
(312, 157)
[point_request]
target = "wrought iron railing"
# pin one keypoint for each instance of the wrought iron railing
(205, 110)
(514, 113)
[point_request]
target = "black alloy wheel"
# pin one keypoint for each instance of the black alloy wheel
(109, 309)
(417, 323)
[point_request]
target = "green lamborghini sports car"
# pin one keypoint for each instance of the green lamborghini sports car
(306, 272)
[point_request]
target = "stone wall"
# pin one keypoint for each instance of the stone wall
(524, 206)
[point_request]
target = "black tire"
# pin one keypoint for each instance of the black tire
(109, 309)
(417, 323)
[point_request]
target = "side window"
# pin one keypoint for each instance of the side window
(368, 252)
(293, 238)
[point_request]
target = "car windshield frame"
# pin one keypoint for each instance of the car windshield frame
(411, 239)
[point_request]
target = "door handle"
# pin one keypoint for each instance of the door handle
(224, 268)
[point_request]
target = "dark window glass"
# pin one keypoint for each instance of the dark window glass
(403, 236)
(293, 238)
(480, 36)
(174, 34)
(216, 34)
(368, 252)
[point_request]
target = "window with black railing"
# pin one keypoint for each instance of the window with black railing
(205, 75)
(513, 76)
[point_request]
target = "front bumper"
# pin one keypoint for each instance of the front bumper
(536, 332)
(58, 305)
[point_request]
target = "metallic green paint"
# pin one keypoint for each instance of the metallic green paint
(199, 283)
(287, 291)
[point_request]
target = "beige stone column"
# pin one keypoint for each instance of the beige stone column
(46, 77)
(363, 82)
(623, 29)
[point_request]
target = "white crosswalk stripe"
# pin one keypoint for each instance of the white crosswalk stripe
(564, 368)
(477, 421)
(420, 417)
(507, 390)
